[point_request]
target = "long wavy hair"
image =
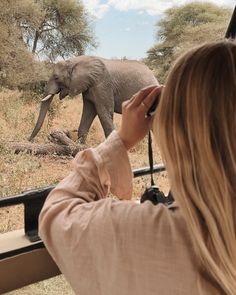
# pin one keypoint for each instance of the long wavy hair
(195, 127)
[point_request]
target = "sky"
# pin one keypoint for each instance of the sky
(126, 28)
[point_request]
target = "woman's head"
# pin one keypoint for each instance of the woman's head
(195, 127)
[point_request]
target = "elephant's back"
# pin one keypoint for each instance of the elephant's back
(127, 78)
(132, 68)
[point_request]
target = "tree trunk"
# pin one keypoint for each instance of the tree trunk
(61, 145)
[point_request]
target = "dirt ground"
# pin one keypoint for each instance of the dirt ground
(22, 172)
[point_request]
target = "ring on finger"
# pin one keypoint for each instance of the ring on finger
(143, 104)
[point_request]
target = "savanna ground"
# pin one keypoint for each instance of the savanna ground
(21, 172)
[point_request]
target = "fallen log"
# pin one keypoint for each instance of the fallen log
(60, 144)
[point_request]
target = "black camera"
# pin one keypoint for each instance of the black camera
(153, 107)
(154, 195)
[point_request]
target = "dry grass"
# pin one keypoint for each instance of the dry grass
(22, 172)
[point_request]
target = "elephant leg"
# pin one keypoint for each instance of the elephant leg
(106, 119)
(88, 115)
(103, 98)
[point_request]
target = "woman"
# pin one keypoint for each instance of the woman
(120, 247)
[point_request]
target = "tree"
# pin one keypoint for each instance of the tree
(16, 63)
(182, 28)
(48, 28)
(64, 29)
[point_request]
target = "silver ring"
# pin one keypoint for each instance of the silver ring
(143, 104)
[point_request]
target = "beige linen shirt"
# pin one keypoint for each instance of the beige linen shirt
(109, 247)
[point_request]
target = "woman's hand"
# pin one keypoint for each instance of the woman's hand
(135, 124)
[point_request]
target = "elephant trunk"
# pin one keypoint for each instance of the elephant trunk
(42, 113)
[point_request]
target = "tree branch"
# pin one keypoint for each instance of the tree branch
(61, 144)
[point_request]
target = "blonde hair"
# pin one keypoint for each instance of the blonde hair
(195, 126)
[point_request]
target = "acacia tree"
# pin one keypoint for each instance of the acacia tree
(14, 56)
(64, 29)
(48, 28)
(182, 28)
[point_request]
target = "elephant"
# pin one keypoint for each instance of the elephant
(104, 84)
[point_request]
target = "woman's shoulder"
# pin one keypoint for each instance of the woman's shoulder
(167, 221)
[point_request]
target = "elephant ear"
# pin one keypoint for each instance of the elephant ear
(86, 72)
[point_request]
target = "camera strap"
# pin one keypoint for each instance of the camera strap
(150, 156)
(153, 193)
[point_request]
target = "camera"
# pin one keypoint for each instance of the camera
(153, 107)
(154, 195)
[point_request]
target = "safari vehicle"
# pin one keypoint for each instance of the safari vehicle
(23, 257)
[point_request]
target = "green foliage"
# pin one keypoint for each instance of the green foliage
(48, 29)
(182, 28)
(64, 29)
(16, 63)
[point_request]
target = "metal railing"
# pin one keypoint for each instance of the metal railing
(33, 201)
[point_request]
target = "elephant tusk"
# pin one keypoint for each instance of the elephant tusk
(47, 97)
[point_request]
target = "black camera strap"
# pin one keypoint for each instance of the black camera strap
(153, 193)
(150, 156)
